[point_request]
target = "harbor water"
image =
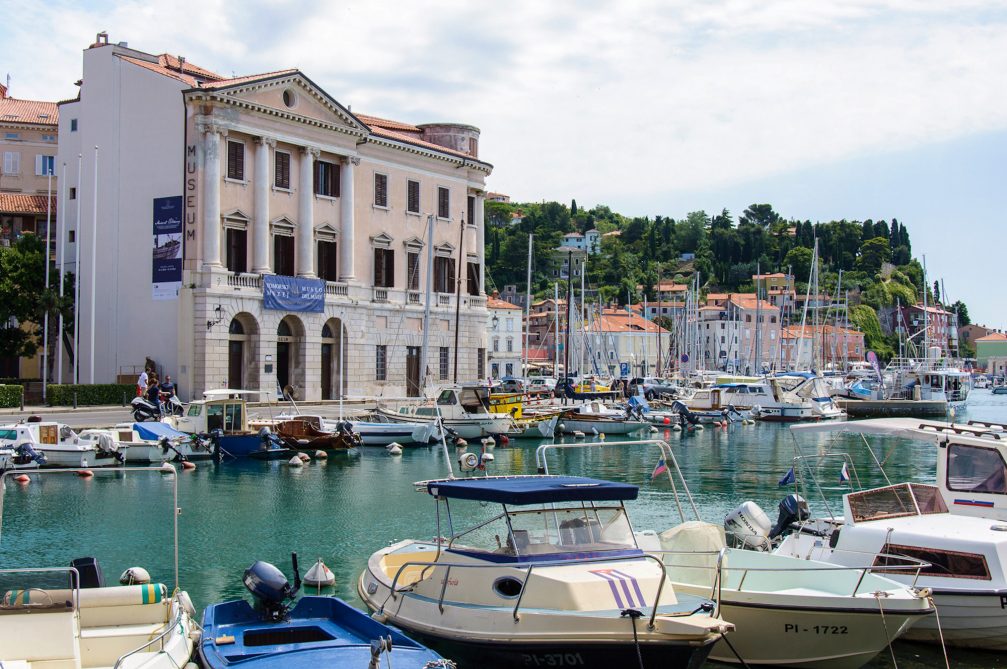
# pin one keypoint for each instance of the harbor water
(345, 508)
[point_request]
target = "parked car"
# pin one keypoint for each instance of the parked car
(541, 384)
(513, 384)
(653, 388)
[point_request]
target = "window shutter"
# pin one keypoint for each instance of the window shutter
(235, 160)
(282, 167)
(379, 268)
(334, 190)
(413, 199)
(390, 268)
(443, 203)
(380, 190)
(38, 166)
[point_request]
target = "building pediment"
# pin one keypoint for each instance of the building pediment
(413, 243)
(287, 94)
(445, 250)
(382, 241)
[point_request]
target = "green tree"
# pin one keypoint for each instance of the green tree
(761, 215)
(963, 312)
(799, 260)
(866, 320)
(873, 253)
(23, 296)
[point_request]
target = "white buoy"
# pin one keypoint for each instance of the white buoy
(562, 427)
(295, 462)
(135, 576)
(321, 455)
(578, 434)
(394, 448)
(676, 427)
(653, 429)
(489, 442)
(699, 426)
(304, 457)
(319, 575)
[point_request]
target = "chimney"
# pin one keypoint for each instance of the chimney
(181, 63)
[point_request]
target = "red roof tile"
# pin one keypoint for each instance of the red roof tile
(995, 336)
(21, 203)
(164, 71)
(36, 112)
(409, 139)
(173, 63)
(375, 122)
(224, 83)
(497, 303)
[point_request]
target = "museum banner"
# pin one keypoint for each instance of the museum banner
(167, 252)
(293, 293)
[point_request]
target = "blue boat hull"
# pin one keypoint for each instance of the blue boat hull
(251, 446)
(319, 632)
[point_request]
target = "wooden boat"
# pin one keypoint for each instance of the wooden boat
(307, 432)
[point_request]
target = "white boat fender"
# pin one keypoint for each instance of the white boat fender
(295, 462)
(167, 468)
(321, 455)
(699, 427)
(468, 461)
(188, 465)
(461, 443)
(135, 576)
(485, 459)
(562, 427)
(489, 442)
(676, 427)
(653, 429)
(304, 456)
(186, 603)
(319, 575)
(594, 431)
(578, 434)
(394, 448)
(380, 616)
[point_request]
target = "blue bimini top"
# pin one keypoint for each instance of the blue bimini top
(154, 431)
(533, 489)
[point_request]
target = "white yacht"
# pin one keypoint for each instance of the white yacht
(61, 446)
(463, 409)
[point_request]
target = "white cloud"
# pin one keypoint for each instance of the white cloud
(605, 101)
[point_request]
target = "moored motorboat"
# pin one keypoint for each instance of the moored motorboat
(63, 447)
(595, 418)
(223, 415)
(308, 432)
(463, 409)
(556, 574)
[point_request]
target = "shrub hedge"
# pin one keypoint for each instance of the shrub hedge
(10, 396)
(87, 395)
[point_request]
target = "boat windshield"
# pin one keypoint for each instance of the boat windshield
(975, 469)
(548, 531)
(904, 499)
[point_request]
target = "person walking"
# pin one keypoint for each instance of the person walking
(142, 383)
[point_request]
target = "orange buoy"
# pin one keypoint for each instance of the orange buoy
(85, 473)
(22, 478)
(188, 465)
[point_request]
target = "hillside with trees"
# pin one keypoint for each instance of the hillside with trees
(875, 257)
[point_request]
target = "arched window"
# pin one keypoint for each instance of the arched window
(283, 329)
(236, 328)
(326, 332)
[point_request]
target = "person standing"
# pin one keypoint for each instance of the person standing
(142, 383)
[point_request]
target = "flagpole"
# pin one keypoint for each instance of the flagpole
(48, 243)
(76, 279)
(94, 256)
(61, 234)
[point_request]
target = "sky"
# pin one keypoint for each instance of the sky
(828, 109)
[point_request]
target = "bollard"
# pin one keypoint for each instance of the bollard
(22, 399)
(124, 399)
(75, 399)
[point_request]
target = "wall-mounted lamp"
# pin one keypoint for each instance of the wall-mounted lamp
(495, 321)
(219, 311)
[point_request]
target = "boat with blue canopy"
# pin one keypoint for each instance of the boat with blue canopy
(553, 578)
(223, 415)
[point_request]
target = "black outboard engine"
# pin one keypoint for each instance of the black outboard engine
(687, 416)
(25, 453)
(793, 508)
(166, 446)
(271, 589)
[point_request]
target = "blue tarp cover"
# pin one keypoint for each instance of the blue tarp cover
(533, 489)
(154, 431)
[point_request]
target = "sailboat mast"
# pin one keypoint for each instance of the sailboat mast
(583, 316)
(424, 352)
(458, 290)
(660, 303)
(569, 313)
(527, 304)
(555, 337)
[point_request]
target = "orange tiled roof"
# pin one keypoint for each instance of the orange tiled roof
(409, 139)
(497, 303)
(794, 331)
(173, 63)
(37, 112)
(160, 69)
(617, 320)
(995, 336)
(376, 122)
(21, 203)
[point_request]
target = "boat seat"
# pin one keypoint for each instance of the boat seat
(101, 646)
(39, 639)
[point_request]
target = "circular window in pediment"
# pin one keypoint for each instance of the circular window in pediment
(289, 98)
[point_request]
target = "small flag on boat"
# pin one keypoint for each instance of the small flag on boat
(659, 469)
(789, 478)
(844, 474)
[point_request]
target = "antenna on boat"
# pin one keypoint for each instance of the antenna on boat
(444, 443)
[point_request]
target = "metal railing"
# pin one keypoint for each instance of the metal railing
(337, 289)
(528, 567)
(72, 571)
(168, 628)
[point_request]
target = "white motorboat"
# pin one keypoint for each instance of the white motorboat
(797, 397)
(787, 612)
(553, 575)
(463, 409)
(159, 442)
(134, 449)
(376, 433)
(66, 618)
(62, 447)
(535, 427)
(790, 612)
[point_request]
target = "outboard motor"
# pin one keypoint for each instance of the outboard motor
(271, 589)
(687, 416)
(166, 446)
(793, 508)
(748, 527)
(25, 453)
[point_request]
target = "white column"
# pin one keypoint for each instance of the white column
(305, 258)
(481, 242)
(260, 225)
(211, 194)
(346, 252)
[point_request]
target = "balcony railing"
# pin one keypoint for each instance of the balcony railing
(337, 289)
(380, 294)
(443, 300)
(236, 280)
(413, 297)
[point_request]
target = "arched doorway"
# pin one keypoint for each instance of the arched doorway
(333, 360)
(242, 369)
(289, 354)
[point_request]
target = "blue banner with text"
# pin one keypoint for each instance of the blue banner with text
(293, 293)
